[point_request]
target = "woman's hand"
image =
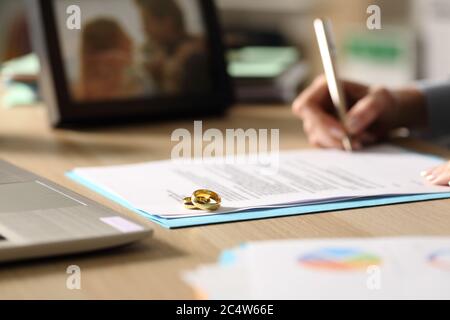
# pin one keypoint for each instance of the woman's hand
(374, 112)
(439, 175)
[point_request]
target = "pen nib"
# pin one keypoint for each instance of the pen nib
(347, 143)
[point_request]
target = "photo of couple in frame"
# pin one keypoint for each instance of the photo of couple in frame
(133, 58)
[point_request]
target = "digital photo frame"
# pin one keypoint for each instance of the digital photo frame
(129, 59)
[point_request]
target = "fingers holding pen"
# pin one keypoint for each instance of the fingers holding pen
(368, 110)
(325, 131)
(315, 108)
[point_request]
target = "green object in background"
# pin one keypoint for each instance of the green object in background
(18, 94)
(261, 62)
(15, 92)
(26, 65)
(373, 48)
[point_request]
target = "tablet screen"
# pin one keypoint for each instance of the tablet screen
(127, 49)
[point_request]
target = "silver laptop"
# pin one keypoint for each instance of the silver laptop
(39, 218)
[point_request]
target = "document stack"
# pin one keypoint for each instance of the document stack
(377, 268)
(291, 183)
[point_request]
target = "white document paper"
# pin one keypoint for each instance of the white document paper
(378, 268)
(303, 177)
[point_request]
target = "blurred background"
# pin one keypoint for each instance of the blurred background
(273, 53)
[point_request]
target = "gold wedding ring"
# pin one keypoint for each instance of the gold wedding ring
(188, 204)
(203, 199)
(198, 199)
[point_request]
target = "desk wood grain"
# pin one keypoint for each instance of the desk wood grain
(152, 268)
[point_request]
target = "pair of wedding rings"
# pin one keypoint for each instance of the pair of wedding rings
(203, 199)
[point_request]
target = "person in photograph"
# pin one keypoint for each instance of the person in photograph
(106, 62)
(175, 60)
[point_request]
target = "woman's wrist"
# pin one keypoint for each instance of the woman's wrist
(411, 108)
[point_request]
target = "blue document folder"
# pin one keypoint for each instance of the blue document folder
(263, 213)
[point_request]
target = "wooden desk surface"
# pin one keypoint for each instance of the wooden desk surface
(151, 269)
